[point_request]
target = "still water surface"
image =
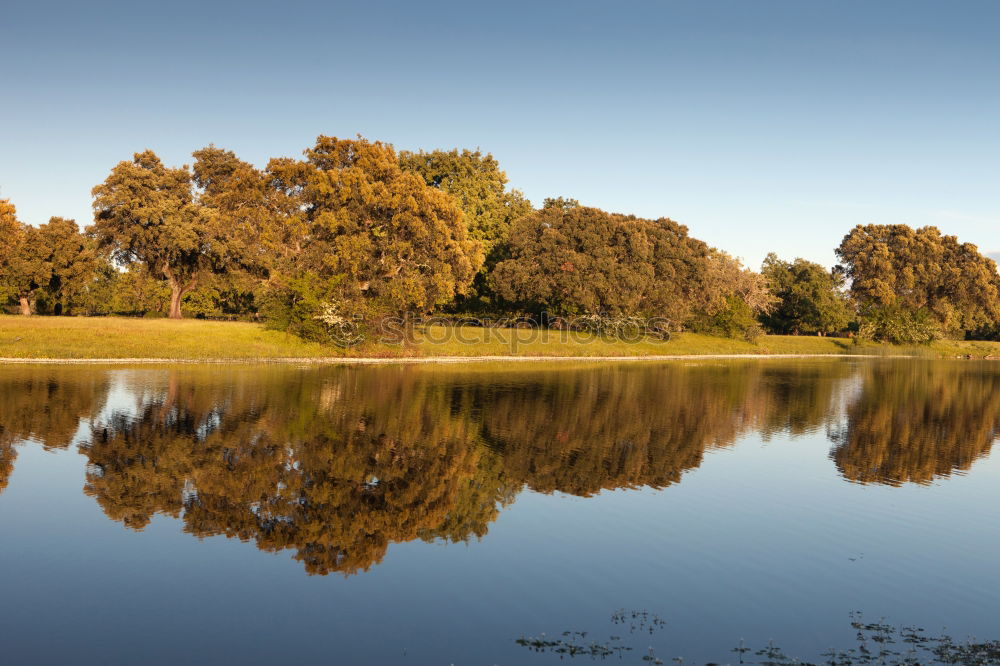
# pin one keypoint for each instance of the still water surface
(435, 514)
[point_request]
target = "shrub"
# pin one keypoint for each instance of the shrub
(899, 326)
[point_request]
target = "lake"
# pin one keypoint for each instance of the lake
(473, 513)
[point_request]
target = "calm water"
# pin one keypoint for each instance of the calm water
(434, 515)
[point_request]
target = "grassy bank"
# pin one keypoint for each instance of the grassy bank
(95, 338)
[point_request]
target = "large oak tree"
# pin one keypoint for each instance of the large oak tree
(579, 260)
(366, 234)
(898, 267)
(146, 213)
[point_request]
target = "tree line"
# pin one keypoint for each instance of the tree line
(355, 229)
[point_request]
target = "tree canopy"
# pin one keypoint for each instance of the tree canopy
(25, 263)
(810, 298)
(145, 212)
(354, 229)
(374, 238)
(581, 260)
(478, 184)
(896, 266)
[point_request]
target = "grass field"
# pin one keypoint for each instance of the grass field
(117, 338)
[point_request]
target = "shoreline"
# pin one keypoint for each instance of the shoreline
(387, 360)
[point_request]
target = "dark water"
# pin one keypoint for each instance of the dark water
(434, 515)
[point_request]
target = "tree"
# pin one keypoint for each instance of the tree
(580, 260)
(246, 207)
(560, 203)
(11, 241)
(895, 266)
(249, 210)
(24, 261)
(478, 184)
(145, 213)
(810, 297)
(73, 262)
(368, 235)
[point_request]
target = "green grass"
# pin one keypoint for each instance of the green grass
(116, 338)
(112, 337)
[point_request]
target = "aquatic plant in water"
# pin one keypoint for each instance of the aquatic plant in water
(878, 643)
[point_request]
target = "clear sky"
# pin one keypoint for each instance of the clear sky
(762, 125)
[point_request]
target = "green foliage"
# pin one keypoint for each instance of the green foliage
(810, 299)
(733, 319)
(896, 266)
(25, 262)
(73, 263)
(560, 202)
(374, 237)
(294, 303)
(489, 208)
(581, 260)
(899, 326)
(145, 213)
(479, 186)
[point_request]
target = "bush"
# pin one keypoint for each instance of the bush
(898, 326)
(294, 306)
(735, 319)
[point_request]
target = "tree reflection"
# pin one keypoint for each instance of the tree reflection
(919, 421)
(45, 405)
(336, 464)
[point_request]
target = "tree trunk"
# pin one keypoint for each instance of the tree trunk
(25, 306)
(176, 294)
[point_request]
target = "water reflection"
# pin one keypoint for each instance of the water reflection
(336, 464)
(919, 422)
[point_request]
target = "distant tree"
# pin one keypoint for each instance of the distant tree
(810, 298)
(247, 207)
(895, 266)
(560, 203)
(145, 213)
(369, 235)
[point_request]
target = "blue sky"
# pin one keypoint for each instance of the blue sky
(762, 125)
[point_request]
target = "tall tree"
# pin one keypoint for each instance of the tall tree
(145, 213)
(898, 267)
(810, 297)
(11, 241)
(373, 236)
